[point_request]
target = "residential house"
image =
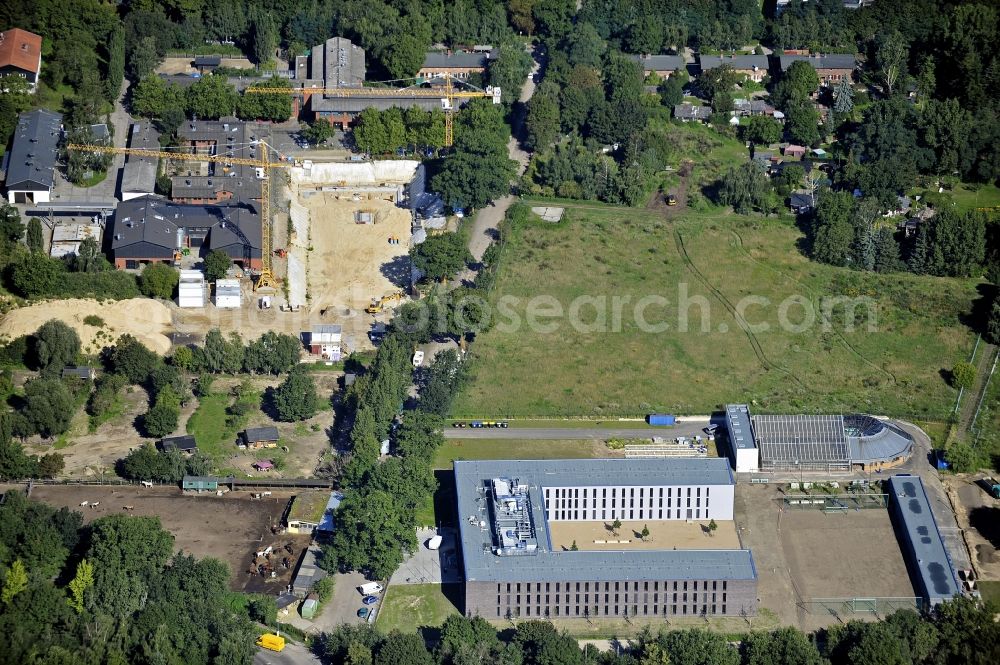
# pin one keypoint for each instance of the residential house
(31, 161)
(831, 68)
(184, 444)
(752, 107)
(753, 67)
(902, 207)
(663, 66)
(766, 160)
(457, 64)
(84, 373)
(21, 55)
(795, 151)
(325, 340)
(259, 437)
(150, 230)
(801, 202)
(139, 173)
(689, 112)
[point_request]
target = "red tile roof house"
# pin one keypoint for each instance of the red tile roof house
(796, 151)
(21, 55)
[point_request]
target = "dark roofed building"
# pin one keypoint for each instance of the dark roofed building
(459, 64)
(661, 65)
(754, 67)
(30, 162)
(139, 173)
(85, 373)
(260, 437)
(689, 112)
(338, 63)
(801, 202)
(207, 63)
(214, 182)
(830, 68)
(148, 229)
(184, 444)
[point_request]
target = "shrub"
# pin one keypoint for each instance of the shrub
(93, 320)
(963, 375)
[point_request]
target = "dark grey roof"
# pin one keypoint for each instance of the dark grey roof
(481, 564)
(254, 434)
(229, 138)
(831, 61)
(207, 60)
(309, 572)
(929, 555)
(147, 227)
(79, 372)
(738, 426)
(659, 63)
(34, 151)
(443, 59)
(139, 173)
(691, 112)
(357, 104)
(338, 62)
(752, 62)
(185, 442)
(802, 439)
(872, 440)
(801, 200)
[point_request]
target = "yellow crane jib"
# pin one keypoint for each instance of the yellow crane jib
(266, 278)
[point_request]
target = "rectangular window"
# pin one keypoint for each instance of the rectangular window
(673, 609)
(713, 609)
(684, 608)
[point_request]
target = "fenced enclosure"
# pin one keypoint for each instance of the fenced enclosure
(847, 607)
(835, 502)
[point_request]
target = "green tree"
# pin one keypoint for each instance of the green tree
(762, 129)
(372, 536)
(444, 379)
(746, 188)
(264, 36)
(161, 420)
(963, 375)
(295, 398)
(993, 323)
(127, 554)
(797, 83)
(217, 263)
(803, 122)
(266, 106)
(671, 91)
(272, 353)
(133, 360)
(211, 97)
(35, 240)
(403, 649)
(542, 121)
(843, 98)
(833, 228)
(48, 407)
(370, 132)
(784, 646)
(957, 243)
(890, 56)
(11, 228)
(712, 527)
(56, 346)
(644, 534)
(508, 70)
(441, 256)
(116, 64)
(80, 584)
(616, 526)
(318, 131)
(15, 581)
(962, 457)
(718, 81)
(697, 646)
(158, 280)
(478, 169)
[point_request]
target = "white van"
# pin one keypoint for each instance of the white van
(370, 589)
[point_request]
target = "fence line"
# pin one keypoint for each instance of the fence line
(986, 389)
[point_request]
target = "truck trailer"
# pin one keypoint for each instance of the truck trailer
(661, 419)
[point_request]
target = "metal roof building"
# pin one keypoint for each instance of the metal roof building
(806, 442)
(308, 573)
(139, 173)
(743, 451)
(925, 550)
(504, 515)
(31, 161)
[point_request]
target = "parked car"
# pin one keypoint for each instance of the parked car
(370, 600)
(710, 430)
(363, 613)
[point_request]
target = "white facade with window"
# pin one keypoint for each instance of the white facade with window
(631, 503)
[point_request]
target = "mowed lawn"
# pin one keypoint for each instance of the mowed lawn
(410, 607)
(625, 371)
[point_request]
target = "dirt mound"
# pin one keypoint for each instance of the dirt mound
(146, 320)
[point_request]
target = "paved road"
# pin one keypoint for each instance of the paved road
(293, 654)
(688, 428)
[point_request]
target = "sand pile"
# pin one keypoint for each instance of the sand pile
(146, 320)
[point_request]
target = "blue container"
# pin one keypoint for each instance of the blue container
(661, 419)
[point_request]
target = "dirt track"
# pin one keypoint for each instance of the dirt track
(229, 528)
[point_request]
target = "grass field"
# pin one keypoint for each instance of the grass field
(482, 449)
(410, 607)
(990, 590)
(714, 261)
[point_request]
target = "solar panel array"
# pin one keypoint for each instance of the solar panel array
(801, 439)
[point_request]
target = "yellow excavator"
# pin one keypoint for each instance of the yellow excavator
(378, 304)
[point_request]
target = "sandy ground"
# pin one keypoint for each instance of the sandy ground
(663, 535)
(352, 263)
(146, 320)
(185, 65)
(230, 528)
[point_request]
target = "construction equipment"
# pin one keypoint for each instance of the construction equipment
(378, 304)
(449, 96)
(266, 279)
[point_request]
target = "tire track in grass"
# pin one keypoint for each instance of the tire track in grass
(755, 344)
(738, 242)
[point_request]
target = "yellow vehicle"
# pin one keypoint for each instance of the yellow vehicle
(272, 642)
(671, 200)
(379, 303)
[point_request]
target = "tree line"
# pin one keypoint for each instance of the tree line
(959, 631)
(111, 592)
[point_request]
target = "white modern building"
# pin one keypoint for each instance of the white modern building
(227, 294)
(191, 289)
(743, 448)
(640, 489)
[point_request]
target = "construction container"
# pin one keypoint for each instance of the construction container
(271, 642)
(661, 419)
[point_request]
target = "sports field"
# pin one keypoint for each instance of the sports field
(706, 266)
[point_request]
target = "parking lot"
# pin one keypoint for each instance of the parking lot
(427, 566)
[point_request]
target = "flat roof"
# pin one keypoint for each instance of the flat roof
(473, 478)
(327, 523)
(739, 428)
(309, 507)
(934, 567)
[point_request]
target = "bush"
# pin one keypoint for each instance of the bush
(158, 280)
(93, 320)
(963, 375)
(295, 398)
(161, 420)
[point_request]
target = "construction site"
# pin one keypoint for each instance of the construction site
(348, 250)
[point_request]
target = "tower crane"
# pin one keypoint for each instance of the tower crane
(266, 279)
(450, 97)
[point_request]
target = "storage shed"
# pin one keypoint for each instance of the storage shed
(184, 444)
(259, 437)
(325, 340)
